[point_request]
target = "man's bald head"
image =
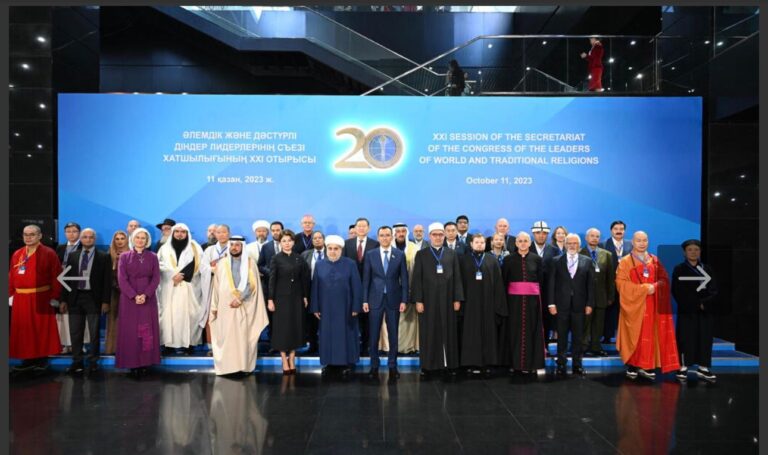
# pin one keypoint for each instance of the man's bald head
(640, 242)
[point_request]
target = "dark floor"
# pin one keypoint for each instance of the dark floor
(199, 413)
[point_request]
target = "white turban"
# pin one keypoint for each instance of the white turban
(435, 227)
(334, 240)
(260, 224)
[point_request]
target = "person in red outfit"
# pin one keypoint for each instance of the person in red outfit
(594, 60)
(34, 292)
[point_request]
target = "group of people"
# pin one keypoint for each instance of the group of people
(460, 300)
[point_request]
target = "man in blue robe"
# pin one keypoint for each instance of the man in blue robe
(336, 300)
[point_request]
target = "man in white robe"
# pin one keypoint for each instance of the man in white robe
(238, 314)
(179, 294)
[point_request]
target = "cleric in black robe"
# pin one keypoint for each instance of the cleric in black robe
(695, 312)
(437, 291)
(522, 334)
(484, 305)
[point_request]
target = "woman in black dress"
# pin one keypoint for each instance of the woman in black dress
(289, 280)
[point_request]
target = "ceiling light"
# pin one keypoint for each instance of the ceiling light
(673, 68)
(706, 42)
(17, 135)
(527, 68)
(719, 43)
(158, 93)
(40, 39)
(632, 43)
(11, 86)
(40, 146)
(29, 155)
(742, 176)
(544, 43)
(25, 66)
(639, 75)
(717, 194)
(426, 89)
(41, 106)
(630, 68)
(611, 60)
(480, 72)
(733, 199)
(490, 45)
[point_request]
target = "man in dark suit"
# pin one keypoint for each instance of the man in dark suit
(571, 296)
(268, 251)
(605, 290)
(72, 234)
(63, 251)
(451, 238)
(618, 247)
(547, 253)
(502, 227)
(462, 224)
(88, 297)
(385, 291)
(313, 255)
(304, 238)
(355, 249)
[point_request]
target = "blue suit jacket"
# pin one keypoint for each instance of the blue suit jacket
(374, 278)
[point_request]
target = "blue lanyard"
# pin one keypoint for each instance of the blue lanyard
(221, 253)
(478, 263)
(307, 243)
(437, 258)
(645, 264)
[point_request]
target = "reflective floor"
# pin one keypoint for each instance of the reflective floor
(170, 412)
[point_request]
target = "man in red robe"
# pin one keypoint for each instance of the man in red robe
(594, 60)
(646, 338)
(34, 291)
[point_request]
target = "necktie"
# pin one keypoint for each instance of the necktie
(277, 248)
(359, 251)
(386, 266)
(619, 249)
(572, 261)
(83, 267)
(317, 256)
(594, 255)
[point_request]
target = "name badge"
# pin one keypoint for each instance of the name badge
(479, 275)
(597, 269)
(646, 274)
(439, 268)
(22, 270)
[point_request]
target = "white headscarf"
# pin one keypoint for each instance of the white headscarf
(244, 259)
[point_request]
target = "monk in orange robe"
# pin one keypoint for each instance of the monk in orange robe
(34, 289)
(646, 338)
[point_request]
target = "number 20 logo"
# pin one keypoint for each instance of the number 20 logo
(382, 148)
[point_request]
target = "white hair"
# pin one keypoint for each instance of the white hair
(573, 236)
(88, 229)
(593, 229)
(524, 234)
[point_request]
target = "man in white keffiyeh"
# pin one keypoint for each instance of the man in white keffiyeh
(238, 314)
(179, 293)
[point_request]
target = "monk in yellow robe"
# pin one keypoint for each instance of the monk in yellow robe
(646, 338)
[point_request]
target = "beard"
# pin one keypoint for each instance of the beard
(240, 253)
